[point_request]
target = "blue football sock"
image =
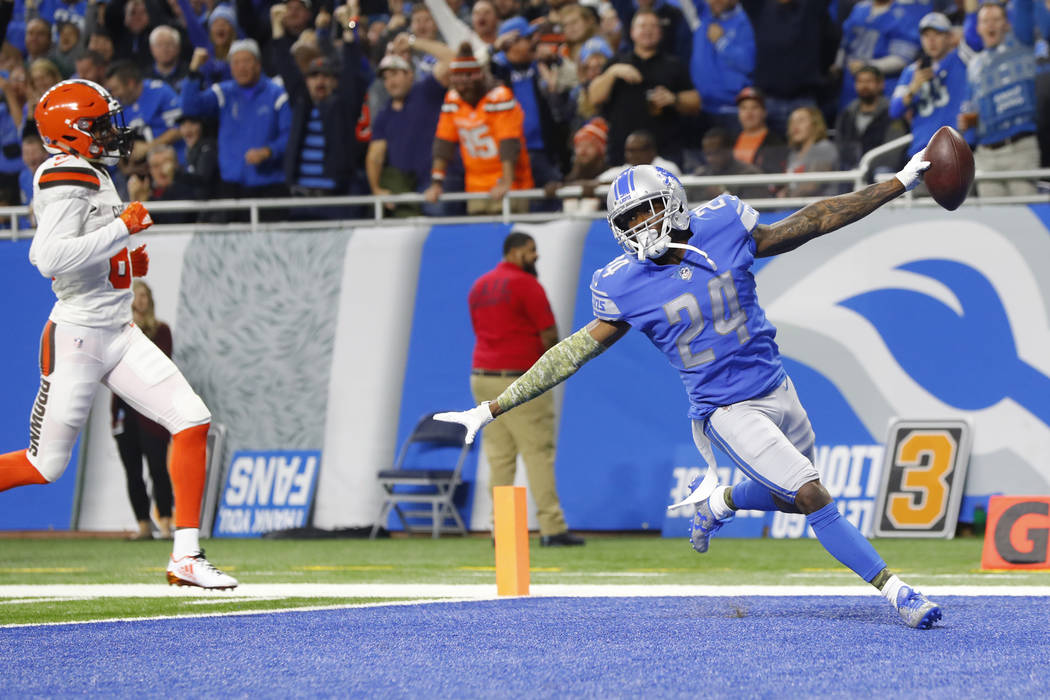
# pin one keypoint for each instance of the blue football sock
(844, 542)
(751, 495)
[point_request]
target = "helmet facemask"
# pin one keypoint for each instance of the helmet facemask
(110, 138)
(650, 236)
(646, 204)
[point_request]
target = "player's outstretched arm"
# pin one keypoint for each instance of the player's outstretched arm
(555, 366)
(833, 213)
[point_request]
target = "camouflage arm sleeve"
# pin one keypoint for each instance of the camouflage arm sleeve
(557, 364)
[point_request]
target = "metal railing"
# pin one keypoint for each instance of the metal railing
(855, 178)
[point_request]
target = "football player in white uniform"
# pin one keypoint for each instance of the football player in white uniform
(81, 243)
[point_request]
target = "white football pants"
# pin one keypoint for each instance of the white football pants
(75, 361)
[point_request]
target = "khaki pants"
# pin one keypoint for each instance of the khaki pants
(527, 430)
(491, 206)
(1020, 155)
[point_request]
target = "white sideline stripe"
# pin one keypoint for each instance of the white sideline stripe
(477, 591)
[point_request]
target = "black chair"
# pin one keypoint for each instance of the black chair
(428, 491)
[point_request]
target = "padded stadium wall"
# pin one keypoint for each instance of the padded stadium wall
(340, 340)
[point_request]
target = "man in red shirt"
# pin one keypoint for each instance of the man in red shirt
(514, 326)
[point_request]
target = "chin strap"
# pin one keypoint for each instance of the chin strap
(686, 246)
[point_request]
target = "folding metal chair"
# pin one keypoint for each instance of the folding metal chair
(430, 490)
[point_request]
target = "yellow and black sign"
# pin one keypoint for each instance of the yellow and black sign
(923, 476)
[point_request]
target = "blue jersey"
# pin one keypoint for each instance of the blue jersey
(1002, 83)
(55, 11)
(155, 111)
(866, 36)
(706, 321)
(937, 102)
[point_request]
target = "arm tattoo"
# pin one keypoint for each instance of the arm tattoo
(557, 364)
(824, 216)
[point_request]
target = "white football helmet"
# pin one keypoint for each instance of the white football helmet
(658, 193)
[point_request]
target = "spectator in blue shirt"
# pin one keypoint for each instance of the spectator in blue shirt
(15, 33)
(215, 42)
(254, 123)
(933, 88)
(723, 59)
(400, 153)
(1001, 101)
(151, 107)
(881, 33)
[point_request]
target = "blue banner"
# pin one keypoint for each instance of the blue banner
(266, 491)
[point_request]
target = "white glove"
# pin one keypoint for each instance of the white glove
(911, 174)
(473, 420)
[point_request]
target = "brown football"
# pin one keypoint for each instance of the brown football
(951, 168)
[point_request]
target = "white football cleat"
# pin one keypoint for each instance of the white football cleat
(195, 570)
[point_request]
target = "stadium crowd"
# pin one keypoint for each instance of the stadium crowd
(305, 98)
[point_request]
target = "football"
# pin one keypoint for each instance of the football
(951, 168)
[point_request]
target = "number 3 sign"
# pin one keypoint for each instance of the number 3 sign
(923, 478)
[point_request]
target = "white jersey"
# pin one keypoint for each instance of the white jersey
(80, 243)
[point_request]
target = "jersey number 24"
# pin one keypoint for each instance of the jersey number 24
(723, 299)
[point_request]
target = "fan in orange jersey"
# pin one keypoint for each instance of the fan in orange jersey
(488, 123)
(81, 243)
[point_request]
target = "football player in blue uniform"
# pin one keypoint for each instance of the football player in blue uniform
(685, 281)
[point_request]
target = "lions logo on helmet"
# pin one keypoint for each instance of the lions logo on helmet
(658, 193)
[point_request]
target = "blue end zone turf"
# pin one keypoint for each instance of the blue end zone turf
(552, 647)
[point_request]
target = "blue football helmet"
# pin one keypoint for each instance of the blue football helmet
(661, 196)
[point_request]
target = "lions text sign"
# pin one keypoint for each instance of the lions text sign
(267, 491)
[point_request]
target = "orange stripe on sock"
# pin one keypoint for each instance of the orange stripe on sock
(47, 349)
(189, 454)
(16, 470)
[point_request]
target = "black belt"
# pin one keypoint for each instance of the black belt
(497, 372)
(1006, 142)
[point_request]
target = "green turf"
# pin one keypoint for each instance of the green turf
(606, 559)
(32, 612)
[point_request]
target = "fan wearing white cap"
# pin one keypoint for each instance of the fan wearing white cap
(931, 90)
(254, 123)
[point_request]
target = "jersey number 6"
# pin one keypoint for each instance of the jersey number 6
(120, 270)
(723, 298)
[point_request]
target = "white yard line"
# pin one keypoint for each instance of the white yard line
(477, 591)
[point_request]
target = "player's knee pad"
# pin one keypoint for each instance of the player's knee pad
(189, 410)
(51, 458)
